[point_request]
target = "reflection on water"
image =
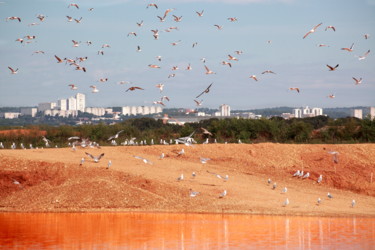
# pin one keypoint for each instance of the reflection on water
(182, 231)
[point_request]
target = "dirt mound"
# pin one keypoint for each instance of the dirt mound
(53, 180)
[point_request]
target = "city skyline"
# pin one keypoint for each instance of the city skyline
(268, 32)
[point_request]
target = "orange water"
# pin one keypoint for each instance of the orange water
(181, 231)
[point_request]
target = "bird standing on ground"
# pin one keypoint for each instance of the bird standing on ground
(320, 179)
(223, 194)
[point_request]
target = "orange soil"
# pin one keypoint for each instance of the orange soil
(52, 180)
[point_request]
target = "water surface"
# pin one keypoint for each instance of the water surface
(182, 231)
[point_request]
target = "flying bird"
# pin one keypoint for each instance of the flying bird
(208, 71)
(205, 91)
(12, 70)
(268, 72)
(331, 96)
(330, 27)
(74, 5)
(312, 30)
(143, 159)
(95, 158)
(296, 89)
(94, 89)
(350, 49)
(206, 132)
(115, 136)
(200, 14)
(218, 27)
(226, 63)
(154, 66)
(198, 103)
(232, 19)
(134, 88)
(357, 81)
(160, 86)
(13, 18)
(73, 87)
(152, 5)
(332, 68)
(254, 77)
(364, 56)
(335, 156)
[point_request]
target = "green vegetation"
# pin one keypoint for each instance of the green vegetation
(319, 129)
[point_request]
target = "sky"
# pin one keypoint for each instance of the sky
(268, 32)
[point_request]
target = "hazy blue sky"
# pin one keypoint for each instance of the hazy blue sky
(297, 62)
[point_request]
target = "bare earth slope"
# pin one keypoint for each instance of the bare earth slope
(51, 180)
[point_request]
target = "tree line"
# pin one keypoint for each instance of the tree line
(320, 129)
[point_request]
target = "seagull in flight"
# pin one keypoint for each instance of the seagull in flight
(312, 30)
(13, 71)
(73, 87)
(364, 56)
(296, 89)
(134, 88)
(208, 71)
(95, 158)
(115, 136)
(332, 68)
(200, 14)
(268, 71)
(335, 156)
(94, 89)
(205, 91)
(206, 132)
(357, 81)
(350, 49)
(254, 77)
(143, 159)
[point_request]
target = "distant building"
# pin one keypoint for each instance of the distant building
(287, 115)
(357, 113)
(224, 110)
(141, 110)
(46, 105)
(297, 113)
(72, 103)
(372, 113)
(80, 102)
(95, 111)
(10, 115)
(29, 111)
(62, 113)
(307, 112)
(62, 104)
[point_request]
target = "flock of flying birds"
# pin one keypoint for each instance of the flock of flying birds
(77, 62)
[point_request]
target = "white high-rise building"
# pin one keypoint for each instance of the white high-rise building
(357, 113)
(372, 113)
(72, 103)
(81, 102)
(225, 110)
(317, 111)
(297, 113)
(62, 104)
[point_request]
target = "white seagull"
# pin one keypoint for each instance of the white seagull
(95, 158)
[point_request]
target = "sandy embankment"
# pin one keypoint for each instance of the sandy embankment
(52, 180)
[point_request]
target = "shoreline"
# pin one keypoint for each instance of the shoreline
(53, 182)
